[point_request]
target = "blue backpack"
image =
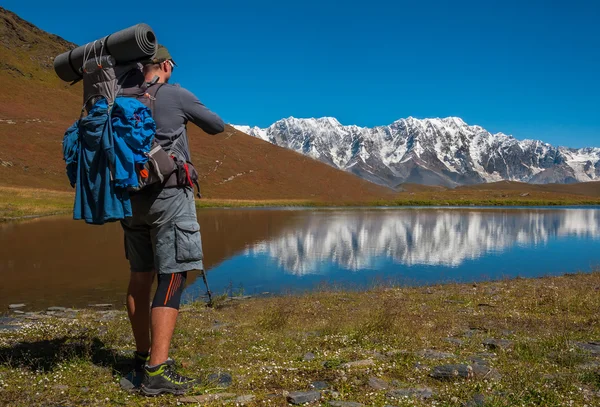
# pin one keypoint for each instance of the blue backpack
(107, 151)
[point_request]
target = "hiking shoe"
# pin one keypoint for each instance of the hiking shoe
(164, 379)
(133, 380)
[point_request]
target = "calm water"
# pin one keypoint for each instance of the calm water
(57, 261)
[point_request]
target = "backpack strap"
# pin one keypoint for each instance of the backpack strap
(150, 93)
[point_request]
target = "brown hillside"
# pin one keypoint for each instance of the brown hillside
(36, 108)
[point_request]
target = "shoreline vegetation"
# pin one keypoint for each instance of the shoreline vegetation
(23, 203)
(525, 342)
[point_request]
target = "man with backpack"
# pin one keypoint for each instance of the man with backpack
(163, 236)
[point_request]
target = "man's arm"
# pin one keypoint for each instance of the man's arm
(199, 114)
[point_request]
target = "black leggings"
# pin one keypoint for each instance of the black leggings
(169, 290)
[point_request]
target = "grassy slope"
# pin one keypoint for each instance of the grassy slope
(262, 342)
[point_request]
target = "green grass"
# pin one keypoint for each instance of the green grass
(261, 342)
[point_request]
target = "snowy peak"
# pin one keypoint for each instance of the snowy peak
(437, 151)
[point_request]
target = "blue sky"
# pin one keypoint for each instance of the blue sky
(527, 68)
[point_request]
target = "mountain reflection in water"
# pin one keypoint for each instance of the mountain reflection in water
(354, 240)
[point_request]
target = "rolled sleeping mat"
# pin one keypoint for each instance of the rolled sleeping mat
(131, 44)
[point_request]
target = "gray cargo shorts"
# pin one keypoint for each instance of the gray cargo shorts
(163, 234)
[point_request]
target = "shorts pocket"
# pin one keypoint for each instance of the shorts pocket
(188, 244)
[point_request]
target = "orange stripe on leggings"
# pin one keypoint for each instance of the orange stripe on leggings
(176, 286)
(169, 290)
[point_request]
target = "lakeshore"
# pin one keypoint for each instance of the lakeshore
(526, 342)
(27, 203)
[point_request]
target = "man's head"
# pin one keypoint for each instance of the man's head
(160, 65)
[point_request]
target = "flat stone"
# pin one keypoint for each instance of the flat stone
(131, 381)
(247, 398)
(413, 392)
(478, 400)
(207, 398)
(100, 305)
(16, 306)
(494, 344)
(452, 372)
(309, 356)
(378, 384)
(220, 379)
(301, 397)
(319, 385)
(359, 363)
(592, 347)
(433, 354)
(454, 341)
(56, 309)
(16, 311)
(345, 404)
(483, 372)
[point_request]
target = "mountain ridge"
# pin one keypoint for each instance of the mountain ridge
(432, 151)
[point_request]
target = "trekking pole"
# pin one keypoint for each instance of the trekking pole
(210, 301)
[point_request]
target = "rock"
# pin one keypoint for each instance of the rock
(220, 379)
(247, 398)
(56, 309)
(131, 381)
(483, 372)
(592, 347)
(100, 305)
(378, 384)
(309, 356)
(473, 331)
(494, 344)
(9, 328)
(359, 363)
(525, 194)
(413, 392)
(478, 400)
(345, 404)
(433, 354)
(16, 311)
(452, 372)
(320, 385)
(301, 397)
(16, 306)
(454, 341)
(207, 398)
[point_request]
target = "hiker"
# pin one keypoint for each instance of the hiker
(163, 236)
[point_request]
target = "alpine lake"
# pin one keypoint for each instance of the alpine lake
(56, 261)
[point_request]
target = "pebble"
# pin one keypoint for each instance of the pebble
(100, 305)
(451, 372)
(319, 385)
(220, 379)
(494, 344)
(247, 398)
(301, 397)
(56, 309)
(359, 363)
(16, 306)
(416, 392)
(478, 400)
(378, 384)
(454, 341)
(309, 356)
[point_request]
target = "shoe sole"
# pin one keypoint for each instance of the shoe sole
(152, 392)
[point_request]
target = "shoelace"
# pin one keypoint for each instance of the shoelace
(176, 377)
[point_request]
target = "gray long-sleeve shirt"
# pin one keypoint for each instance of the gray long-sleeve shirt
(173, 108)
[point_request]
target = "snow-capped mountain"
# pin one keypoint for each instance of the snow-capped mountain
(431, 151)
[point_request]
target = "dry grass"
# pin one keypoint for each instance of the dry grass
(262, 341)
